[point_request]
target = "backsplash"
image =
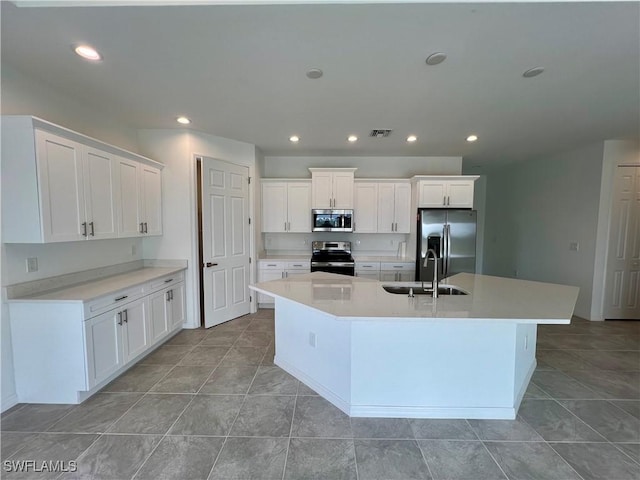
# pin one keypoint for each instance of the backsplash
(361, 243)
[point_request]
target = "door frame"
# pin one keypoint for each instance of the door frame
(196, 271)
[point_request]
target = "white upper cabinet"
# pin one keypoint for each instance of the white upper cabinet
(445, 191)
(60, 186)
(332, 188)
(286, 206)
(394, 205)
(365, 209)
(151, 199)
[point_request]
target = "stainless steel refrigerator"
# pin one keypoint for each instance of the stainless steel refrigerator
(452, 234)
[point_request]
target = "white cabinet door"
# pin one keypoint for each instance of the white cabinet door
(265, 275)
(105, 351)
(99, 193)
(177, 306)
(388, 276)
(159, 313)
(406, 276)
(274, 207)
(386, 215)
(343, 190)
(299, 207)
(129, 215)
(402, 207)
(61, 188)
(151, 199)
(365, 207)
(322, 190)
(432, 194)
(366, 274)
(460, 194)
(137, 330)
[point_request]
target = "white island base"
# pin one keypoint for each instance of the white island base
(376, 354)
(403, 368)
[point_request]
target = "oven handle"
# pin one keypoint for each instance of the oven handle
(332, 264)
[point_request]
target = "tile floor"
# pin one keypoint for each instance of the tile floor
(211, 404)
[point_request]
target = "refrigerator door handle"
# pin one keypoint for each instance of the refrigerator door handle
(448, 266)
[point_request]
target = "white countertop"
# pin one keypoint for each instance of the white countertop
(91, 290)
(489, 298)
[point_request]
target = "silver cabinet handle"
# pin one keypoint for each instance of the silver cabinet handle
(171, 291)
(93, 233)
(282, 275)
(119, 318)
(448, 200)
(168, 297)
(126, 316)
(84, 229)
(168, 280)
(121, 298)
(285, 226)
(146, 230)
(141, 227)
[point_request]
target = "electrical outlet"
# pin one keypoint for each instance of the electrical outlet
(134, 250)
(32, 264)
(526, 342)
(312, 339)
(574, 246)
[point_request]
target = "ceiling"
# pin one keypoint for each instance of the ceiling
(239, 72)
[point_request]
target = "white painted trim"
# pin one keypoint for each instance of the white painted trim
(9, 402)
(525, 385)
(492, 413)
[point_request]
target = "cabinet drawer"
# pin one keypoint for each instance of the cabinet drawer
(165, 281)
(368, 266)
(271, 265)
(113, 300)
(397, 266)
(301, 265)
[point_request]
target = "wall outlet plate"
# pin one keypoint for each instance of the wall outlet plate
(32, 264)
(574, 246)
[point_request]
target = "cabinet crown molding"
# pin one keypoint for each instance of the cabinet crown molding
(332, 169)
(417, 178)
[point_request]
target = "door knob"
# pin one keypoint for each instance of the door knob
(210, 264)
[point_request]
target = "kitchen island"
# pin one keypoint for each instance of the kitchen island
(376, 354)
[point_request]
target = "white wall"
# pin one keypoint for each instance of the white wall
(535, 209)
(177, 149)
(22, 95)
(368, 167)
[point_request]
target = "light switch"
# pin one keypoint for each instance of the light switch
(574, 246)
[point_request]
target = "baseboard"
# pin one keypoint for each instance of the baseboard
(8, 402)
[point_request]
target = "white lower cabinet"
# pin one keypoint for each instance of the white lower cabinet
(397, 272)
(277, 270)
(368, 270)
(65, 352)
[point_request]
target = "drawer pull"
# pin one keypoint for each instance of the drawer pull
(119, 318)
(168, 280)
(121, 298)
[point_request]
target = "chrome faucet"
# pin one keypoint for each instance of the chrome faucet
(434, 284)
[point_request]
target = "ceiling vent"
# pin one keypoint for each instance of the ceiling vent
(381, 133)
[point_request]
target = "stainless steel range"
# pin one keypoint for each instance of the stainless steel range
(332, 257)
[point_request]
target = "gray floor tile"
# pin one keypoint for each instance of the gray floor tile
(184, 458)
(530, 461)
(610, 384)
(204, 355)
(11, 410)
(264, 416)
(630, 406)
(261, 325)
(559, 385)
(97, 414)
(507, 430)
(611, 422)
(631, 449)
(230, 379)
(562, 360)
(612, 360)
(316, 417)
(273, 381)
(381, 428)
(459, 460)
(251, 459)
(11, 442)
(251, 338)
(225, 338)
(244, 356)
(208, 415)
(534, 391)
(140, 378)
(115, 457)
(310, 459)
(188, 337)
(390, 460)
(554, 423)
(183, 379)
(35, 417)
(51, 447)
(444, 429)
(304, 390)
(597, 461)
(267, 360)
(155, 413)
(167, 355)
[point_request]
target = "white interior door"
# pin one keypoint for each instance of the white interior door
(225, 241)
(622, 292)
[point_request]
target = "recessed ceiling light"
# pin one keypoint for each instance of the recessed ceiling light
(472, 138)
(87, 52)
(352, 138)
(436, 58)
(533, 72)
(183, 120)
(412, 138)
(294, 138)
(314, 73)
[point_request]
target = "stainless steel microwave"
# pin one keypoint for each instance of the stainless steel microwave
(332, 220)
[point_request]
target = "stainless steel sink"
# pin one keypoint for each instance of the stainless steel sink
(418, 290)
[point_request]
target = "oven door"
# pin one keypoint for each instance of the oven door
(346, 268)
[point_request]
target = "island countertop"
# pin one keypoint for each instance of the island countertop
(489, 298)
